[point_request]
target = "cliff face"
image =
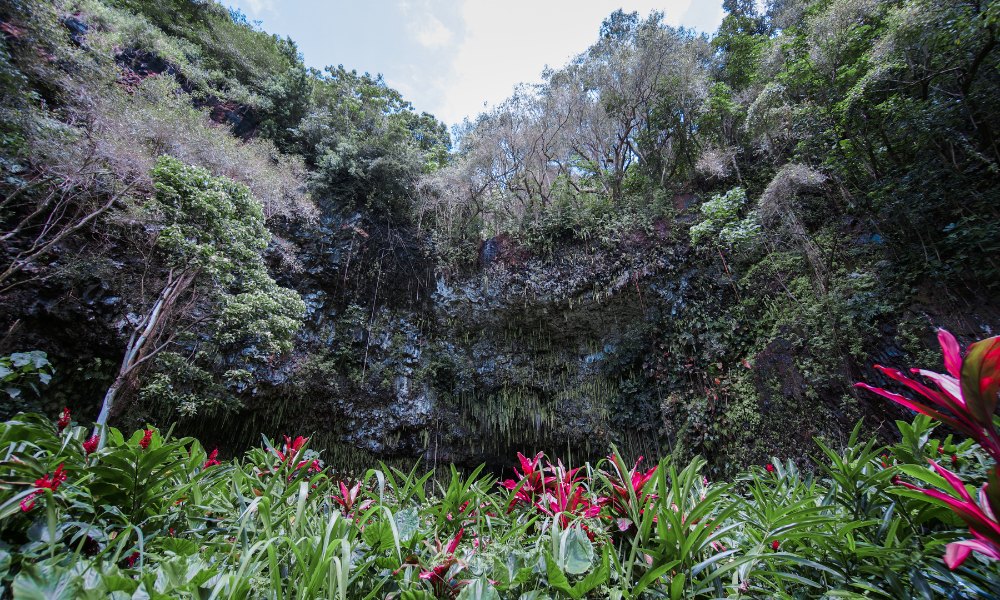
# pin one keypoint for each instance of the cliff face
(648, 345)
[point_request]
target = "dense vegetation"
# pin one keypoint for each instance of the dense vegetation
(678, 245)
(158, 517)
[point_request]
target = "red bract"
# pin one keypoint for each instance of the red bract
(770, 468)
(63, 420)
(130, 561)
(212, 459)
(147, 437)
(969, 393)
(49, 482)
(91, 445)
(775, 545)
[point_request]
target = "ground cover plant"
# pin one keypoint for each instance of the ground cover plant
(154, 516)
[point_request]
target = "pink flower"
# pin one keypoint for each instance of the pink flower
(146, 438)
(63, 420)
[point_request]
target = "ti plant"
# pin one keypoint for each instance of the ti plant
(969, 393)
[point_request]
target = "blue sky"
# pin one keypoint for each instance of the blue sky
(449, 57)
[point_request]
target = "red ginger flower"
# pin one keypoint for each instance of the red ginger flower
(63, 420)
(146, 438)
(770, 468)
(45, 483)
(775, 545)
(130, 561)
(90, 446)
(212, 459)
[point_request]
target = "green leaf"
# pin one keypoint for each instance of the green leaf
(577, 552)
(36, 582)
(479, 589)
(180, 547)
(557, 580)
(407, 524)
(677, 587)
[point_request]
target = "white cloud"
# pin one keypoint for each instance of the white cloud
(430, 32)
(256, 6)
(506, 43)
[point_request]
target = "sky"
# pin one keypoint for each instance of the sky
(455, 58)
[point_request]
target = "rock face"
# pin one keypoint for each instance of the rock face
(640, 343)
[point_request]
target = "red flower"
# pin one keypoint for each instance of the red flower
(63, 420)
(954, 461)
(770, 468)
(146, 438)
(130, 561)
(45, 483)
(212, 459)
(90, 446)
(774, 545)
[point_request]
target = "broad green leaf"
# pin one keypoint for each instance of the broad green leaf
(35, 582)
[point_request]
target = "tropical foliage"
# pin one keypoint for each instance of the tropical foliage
(153, 516)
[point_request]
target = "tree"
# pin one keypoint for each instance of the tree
(289, 98)
(209, 235)
(366, 146)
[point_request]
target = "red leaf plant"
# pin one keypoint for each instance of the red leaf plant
(348, 499)
(291, 451)
(567, 502)
(553, 489)
(534, 481)
(969, 392)
(625, 484)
